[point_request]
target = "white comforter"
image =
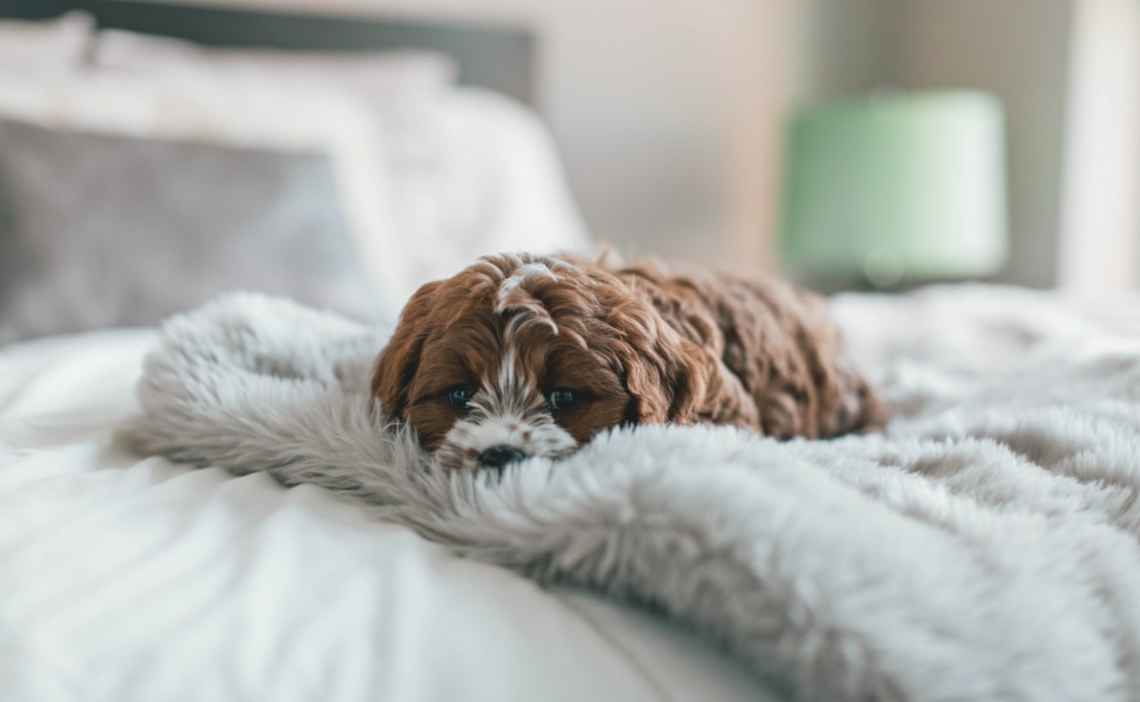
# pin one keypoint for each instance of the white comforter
(139, 580)
(125, 579)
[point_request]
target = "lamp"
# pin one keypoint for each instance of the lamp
(898, 188)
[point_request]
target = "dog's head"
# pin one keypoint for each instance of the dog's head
(521, 356)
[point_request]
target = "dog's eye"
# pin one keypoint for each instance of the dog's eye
(459, 397)
(562, 399)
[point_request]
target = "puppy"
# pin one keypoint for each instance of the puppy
(521, 356)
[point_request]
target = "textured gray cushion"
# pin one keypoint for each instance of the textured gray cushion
(99, 230)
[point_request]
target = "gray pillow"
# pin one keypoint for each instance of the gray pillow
(103, 230)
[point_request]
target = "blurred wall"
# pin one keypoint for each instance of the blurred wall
(841, 48)
(1100, 212)
(1020, 50)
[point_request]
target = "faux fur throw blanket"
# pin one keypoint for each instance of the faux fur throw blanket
(983, 547)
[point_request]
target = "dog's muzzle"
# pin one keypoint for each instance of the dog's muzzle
(500, 456)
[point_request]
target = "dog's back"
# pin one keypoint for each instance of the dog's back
(778, 343)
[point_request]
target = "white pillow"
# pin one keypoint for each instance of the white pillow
(399, 85)
(374, 72)
(337, 126)
(499, 185)
(61, 43)
(471, 172)
(401, 90)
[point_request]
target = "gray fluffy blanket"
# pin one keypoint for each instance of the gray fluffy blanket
(984, 547)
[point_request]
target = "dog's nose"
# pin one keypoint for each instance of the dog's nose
(500, 455)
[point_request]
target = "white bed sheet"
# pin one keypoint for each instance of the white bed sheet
(129, 579)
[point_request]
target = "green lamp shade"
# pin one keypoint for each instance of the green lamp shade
(899, 187)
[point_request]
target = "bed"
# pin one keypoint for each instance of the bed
(128, 576)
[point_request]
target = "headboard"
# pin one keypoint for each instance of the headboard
(496, 57)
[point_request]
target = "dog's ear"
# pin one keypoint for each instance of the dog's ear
(671, 378)
(646, 380)
(644, 351)
(703, 389)
(668, 379)
(397, 364)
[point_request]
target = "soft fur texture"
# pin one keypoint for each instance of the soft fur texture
(547, 352)
(984, 547)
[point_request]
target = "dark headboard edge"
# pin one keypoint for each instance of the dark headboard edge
(500, 58)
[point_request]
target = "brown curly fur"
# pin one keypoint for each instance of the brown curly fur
(762, 354)
(639, 344)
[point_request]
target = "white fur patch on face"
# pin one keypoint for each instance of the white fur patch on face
(524, 273)
(505, 411)
(526, 310)
(468, 439)
(560, 265)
